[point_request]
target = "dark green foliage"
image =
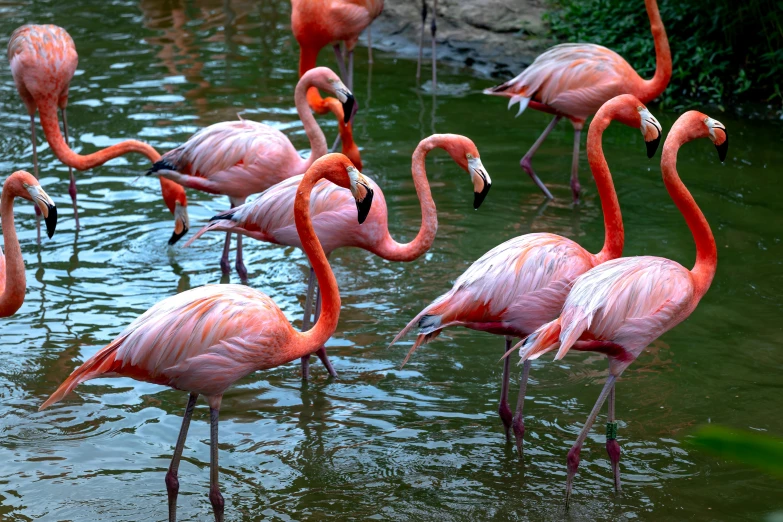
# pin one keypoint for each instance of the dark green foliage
(746, 447)
(723, 51)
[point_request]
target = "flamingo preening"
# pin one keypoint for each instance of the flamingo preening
(574, 80)
(240, 158)
(204, 340)
(621, 306)
(13, 283)
(43, 60)
(522, 283)
(270, 217)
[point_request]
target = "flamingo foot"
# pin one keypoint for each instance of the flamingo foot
(241, 270)
(573, 466)
(519, 433)
(613, 449)
(218, 504)
(172, 488)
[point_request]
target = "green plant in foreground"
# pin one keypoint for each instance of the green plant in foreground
(761, 451)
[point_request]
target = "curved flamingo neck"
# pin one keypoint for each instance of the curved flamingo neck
(614, 233)
(706, 252)
(15, 284)
(314, 133)
(651, 89)
(308, 342)
(391, 249)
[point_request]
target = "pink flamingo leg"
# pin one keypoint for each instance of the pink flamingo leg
(421, 39)
(172, 482)
(433, 28)
(240, 265)
(72, 186)
(573, 453)
(503, 408)
(575, 187)
(612, 446)
(306, 320)
(35, 172)
(215, 497)
(519, 420)
(369, 45)
(527, 160)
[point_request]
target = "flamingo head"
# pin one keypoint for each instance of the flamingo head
(35, 193)
(464, 152)
(651, 130)
(326, 80)
(719, 136)
(361, 189)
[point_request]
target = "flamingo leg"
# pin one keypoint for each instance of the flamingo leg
(38, 214)
(575, 187)
(336, 144)
(573, 453)
(215, 497)
(240, 265)
(306, 320)
(421, 39)
(350, 70)
(321, 353)
(172, 482)
(503, 409)
(369, 45)
(225, 266)
(340, 62)
(612, 446)
(72, 186)
(433, 28)
(527, 160)
(519, 420)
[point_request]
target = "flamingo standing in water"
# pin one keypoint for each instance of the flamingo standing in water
(574, 80)
(12, 277)
(622, 306)
(433, 29)
(240, 158)
(521, 284)
(204, 340)
(43, 60)
(270, 217)
(318, 23)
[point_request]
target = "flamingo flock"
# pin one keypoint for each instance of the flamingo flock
(544, 290)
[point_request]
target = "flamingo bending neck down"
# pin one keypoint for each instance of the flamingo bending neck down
(270, 217)
(319, 23)
(13, 283)
(620, 307)
(203, 340)
(574, 80)
(240, 158)
(521, 284)
(43, 60)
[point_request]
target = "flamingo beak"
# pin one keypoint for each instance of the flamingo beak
(719, 137)
(348, 100)
(481, 181)
(723, 148)
(181, 223)
(651, 130)
(46, 205)
(362, 191)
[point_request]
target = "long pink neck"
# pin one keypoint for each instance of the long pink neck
(306, 343)
(51, 127)
(314, 133)
(651, 89)
(391, 249)
(706, 251)
(614, 234)
(15, 285)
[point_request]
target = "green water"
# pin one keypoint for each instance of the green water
(423, 443)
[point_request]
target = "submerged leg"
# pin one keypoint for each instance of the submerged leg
(519, 420)
(433, 27)
(308, 310)
(215, 497)
(503, 409)
(172, 482)
(527, 160)
(421, 39)
(38, 214)
(575, 187)
(72, 186)
(612, 446)
(573, 453)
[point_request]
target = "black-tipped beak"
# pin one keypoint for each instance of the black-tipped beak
(478, 197)
(652, 146)
(363, 206)
(51, 220)
(349, 108)
(176, 237)
(723, 148)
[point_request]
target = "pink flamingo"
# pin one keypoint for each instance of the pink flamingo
(43, 60)
(574, 80)
(623, 305)
(240, 158)
(204, 340)
(270, 217)
(12, 277)
(522, 283)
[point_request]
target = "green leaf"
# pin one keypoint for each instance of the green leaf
(754, 449)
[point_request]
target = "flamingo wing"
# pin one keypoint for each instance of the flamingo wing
(628, 302)
(201, 340)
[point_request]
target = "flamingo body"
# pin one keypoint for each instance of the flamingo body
(318, 23)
